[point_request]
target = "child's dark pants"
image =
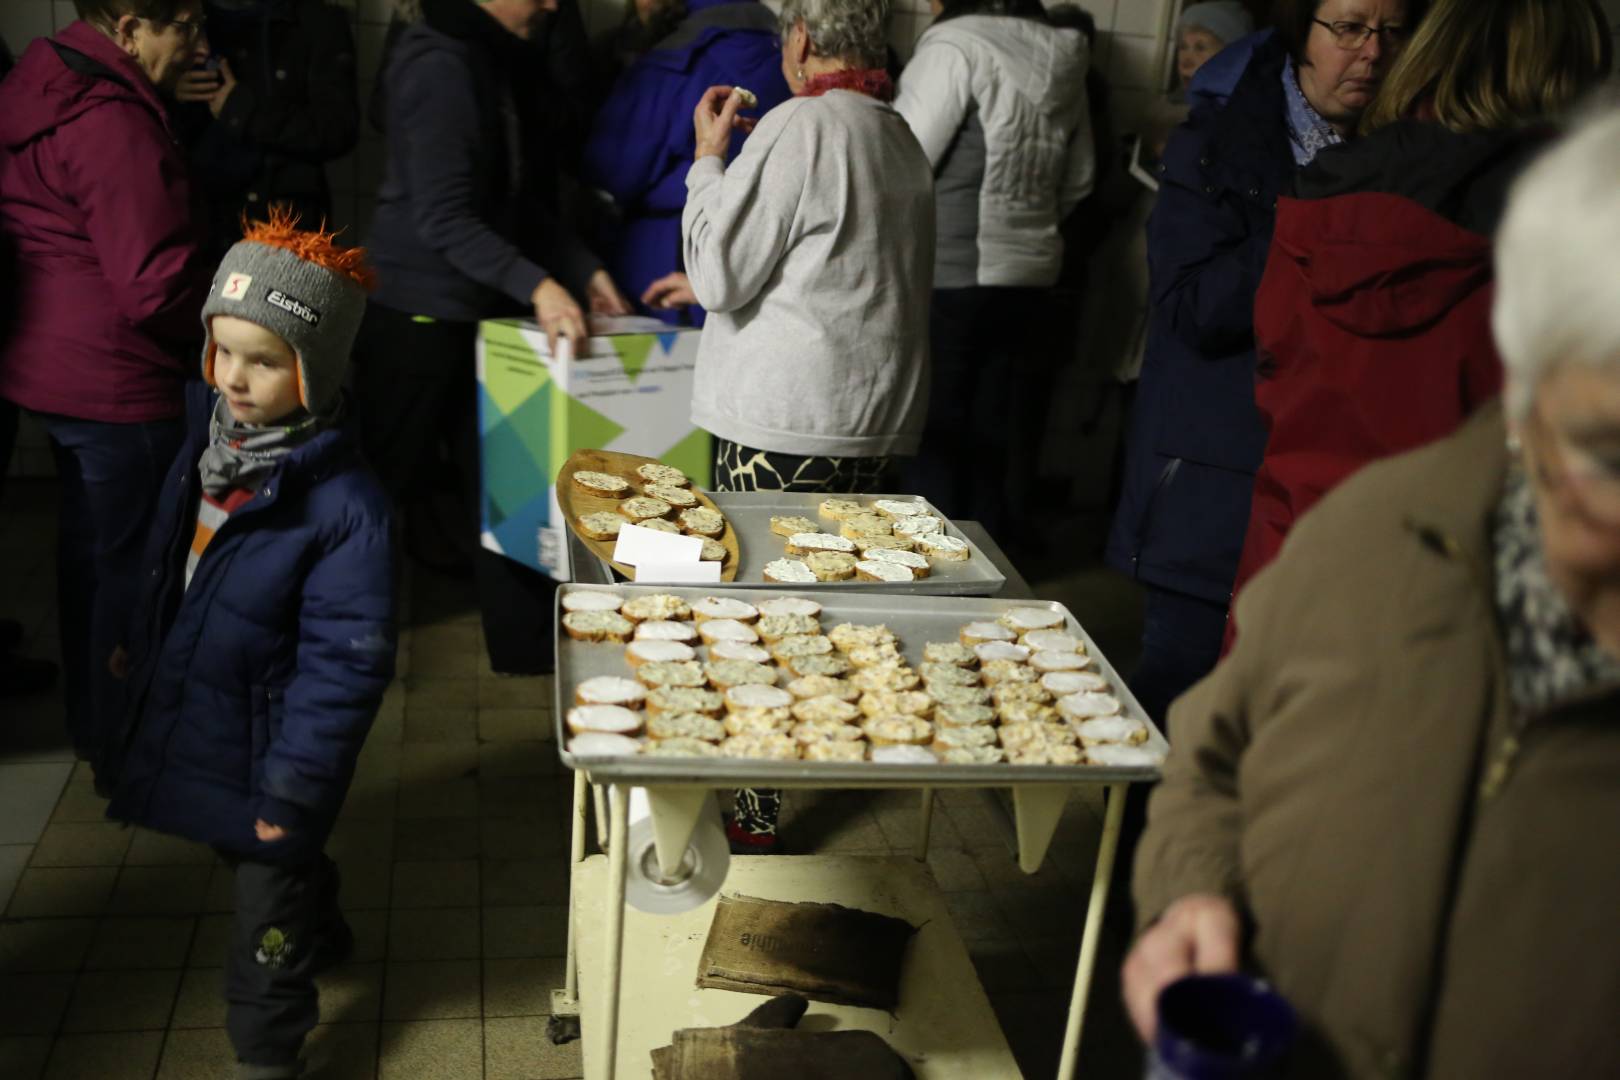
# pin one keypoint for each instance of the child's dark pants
(287, 927)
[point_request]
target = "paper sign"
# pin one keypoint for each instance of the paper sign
(637, 546)
(698, 572)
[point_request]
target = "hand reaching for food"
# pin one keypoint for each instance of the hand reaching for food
(670, 291)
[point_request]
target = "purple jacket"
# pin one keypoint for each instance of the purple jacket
(642, 143)
(94, 194)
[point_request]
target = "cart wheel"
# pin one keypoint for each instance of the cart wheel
(562, 1029)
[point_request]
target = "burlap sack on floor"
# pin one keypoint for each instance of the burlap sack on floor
(824, 952)
(783, 1012)
(749, 1053)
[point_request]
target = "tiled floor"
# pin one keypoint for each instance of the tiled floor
(453, 850)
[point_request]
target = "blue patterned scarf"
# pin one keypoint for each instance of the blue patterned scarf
(1308, 133)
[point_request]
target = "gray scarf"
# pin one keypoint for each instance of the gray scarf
(238, 454)
(1551, 657)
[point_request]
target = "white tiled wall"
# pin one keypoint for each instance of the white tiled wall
(1128, 48)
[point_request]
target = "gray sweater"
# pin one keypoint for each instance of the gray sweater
(813, 255)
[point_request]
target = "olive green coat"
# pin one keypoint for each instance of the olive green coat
(1433, 881)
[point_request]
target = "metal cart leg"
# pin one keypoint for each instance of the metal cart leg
(1101, 878)
(925, 824)
(619, 829)
(601, 817)
(576, 855)
(563, 1025)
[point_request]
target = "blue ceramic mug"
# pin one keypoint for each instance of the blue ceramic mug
(1221, 1027)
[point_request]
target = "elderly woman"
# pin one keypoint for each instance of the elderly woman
(813, 254)
(1396, 798)
(1195, 438)
(95, 199)
(1373, 317)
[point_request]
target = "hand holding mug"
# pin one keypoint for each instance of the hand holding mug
(1198, 934)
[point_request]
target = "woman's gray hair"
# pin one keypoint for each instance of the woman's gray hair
(854, 31)
(1558, 261)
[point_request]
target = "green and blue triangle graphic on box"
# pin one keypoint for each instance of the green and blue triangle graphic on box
(633, 354)
(534, 412)
(694, 456)
(512, 469)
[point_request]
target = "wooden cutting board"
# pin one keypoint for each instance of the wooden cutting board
(575, 502)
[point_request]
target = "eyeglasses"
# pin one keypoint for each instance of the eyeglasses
(1350, 36)
(192, 28)
(1592, 480)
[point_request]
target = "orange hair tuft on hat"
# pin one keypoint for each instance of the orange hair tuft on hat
(312, 245)
(300, 285)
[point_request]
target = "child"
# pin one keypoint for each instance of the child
(266, 636)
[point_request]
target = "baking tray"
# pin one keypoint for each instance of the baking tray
(917, 620)
(750, 513)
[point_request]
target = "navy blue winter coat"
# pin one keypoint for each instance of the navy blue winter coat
(466, 226)
(642, 142)
(1196, 438)
(251, 691)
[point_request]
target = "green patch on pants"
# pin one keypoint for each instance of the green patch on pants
(275, 949)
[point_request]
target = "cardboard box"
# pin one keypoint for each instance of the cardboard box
(630, 392)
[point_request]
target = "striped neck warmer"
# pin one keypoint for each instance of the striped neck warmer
(239, 454)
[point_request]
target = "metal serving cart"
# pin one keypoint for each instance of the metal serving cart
(944, 1026)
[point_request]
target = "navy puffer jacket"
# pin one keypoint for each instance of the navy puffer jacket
(252, 690)
(1196, 438)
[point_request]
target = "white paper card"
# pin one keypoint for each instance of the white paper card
(698, 572)
(637, 546)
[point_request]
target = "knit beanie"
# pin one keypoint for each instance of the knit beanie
(304, 289)
(1226, 19)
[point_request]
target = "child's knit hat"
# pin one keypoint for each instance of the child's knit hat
(1228, 20)
(301, 287)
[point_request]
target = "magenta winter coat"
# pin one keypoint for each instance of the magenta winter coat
(94, 193)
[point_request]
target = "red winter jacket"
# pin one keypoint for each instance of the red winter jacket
(1373, 317)
(95, 197)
